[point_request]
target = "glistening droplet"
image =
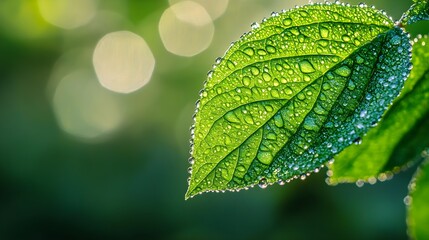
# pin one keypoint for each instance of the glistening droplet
(263, 183)
(306, 67)
(343, 71)
(324, 32)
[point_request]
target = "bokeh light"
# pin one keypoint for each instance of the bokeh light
(22, 19)
(83, 108)
(123, 62)
(186, 29)
(215, 8)
(68, 14)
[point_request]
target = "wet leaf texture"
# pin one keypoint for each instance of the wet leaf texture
(400, 136)
(292, 93)
(418, 11)
(418, 209)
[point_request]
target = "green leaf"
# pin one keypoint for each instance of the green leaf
(417, 201)
(417, 12)
(289, 95)
(401, 134)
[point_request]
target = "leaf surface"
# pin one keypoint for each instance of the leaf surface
(290, 94)
(417, 12)
(417, 201)
(400, 136)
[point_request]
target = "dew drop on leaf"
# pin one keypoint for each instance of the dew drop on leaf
(324, 32)
(287, 22)
(357, 141)
(306, 67)
(343, 71)
(249, 51)
(265, 157)
(254, 70)
(263, 183)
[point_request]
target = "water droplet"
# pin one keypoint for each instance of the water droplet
(307, 78)
(262, 52)
(359, 59)
(248, 119)
(303, 13)
(203, 94)
(301, 96)
(276, 83)
(319, 110)
(266, 76)
(254, 70)
(249, 51)
(288, 91)
(230, 65)
(360, 183)
(210, 74)
(357, 141)
(246, 81)
(408, 200)
(281, 182)
(396, 40)
(326, 86)
(306, 67)
(287, 21)
(372, 180)
(360, 125)
(343, 71)
(228, 140)
(271, 49)
(309, 124)
(231, 117)
(303, 177)
(241, 168)
(271, 136)
(351, 86)
(254, 25)
(263, 183)
(324, 32)
(294, 31)
(269, 108)
(278, 121)
(275, 93)
(190, 170)
(191, 160)
(323, 43)
(218, 60)
(346, 38)
(357, 42)
(265, 157)
(368, 96)
(363, 113)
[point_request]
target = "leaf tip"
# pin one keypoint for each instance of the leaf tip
(187, 195)
(191, 192)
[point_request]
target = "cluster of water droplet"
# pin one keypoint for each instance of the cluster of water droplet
(294, 96)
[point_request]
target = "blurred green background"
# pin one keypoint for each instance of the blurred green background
(80, 161)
